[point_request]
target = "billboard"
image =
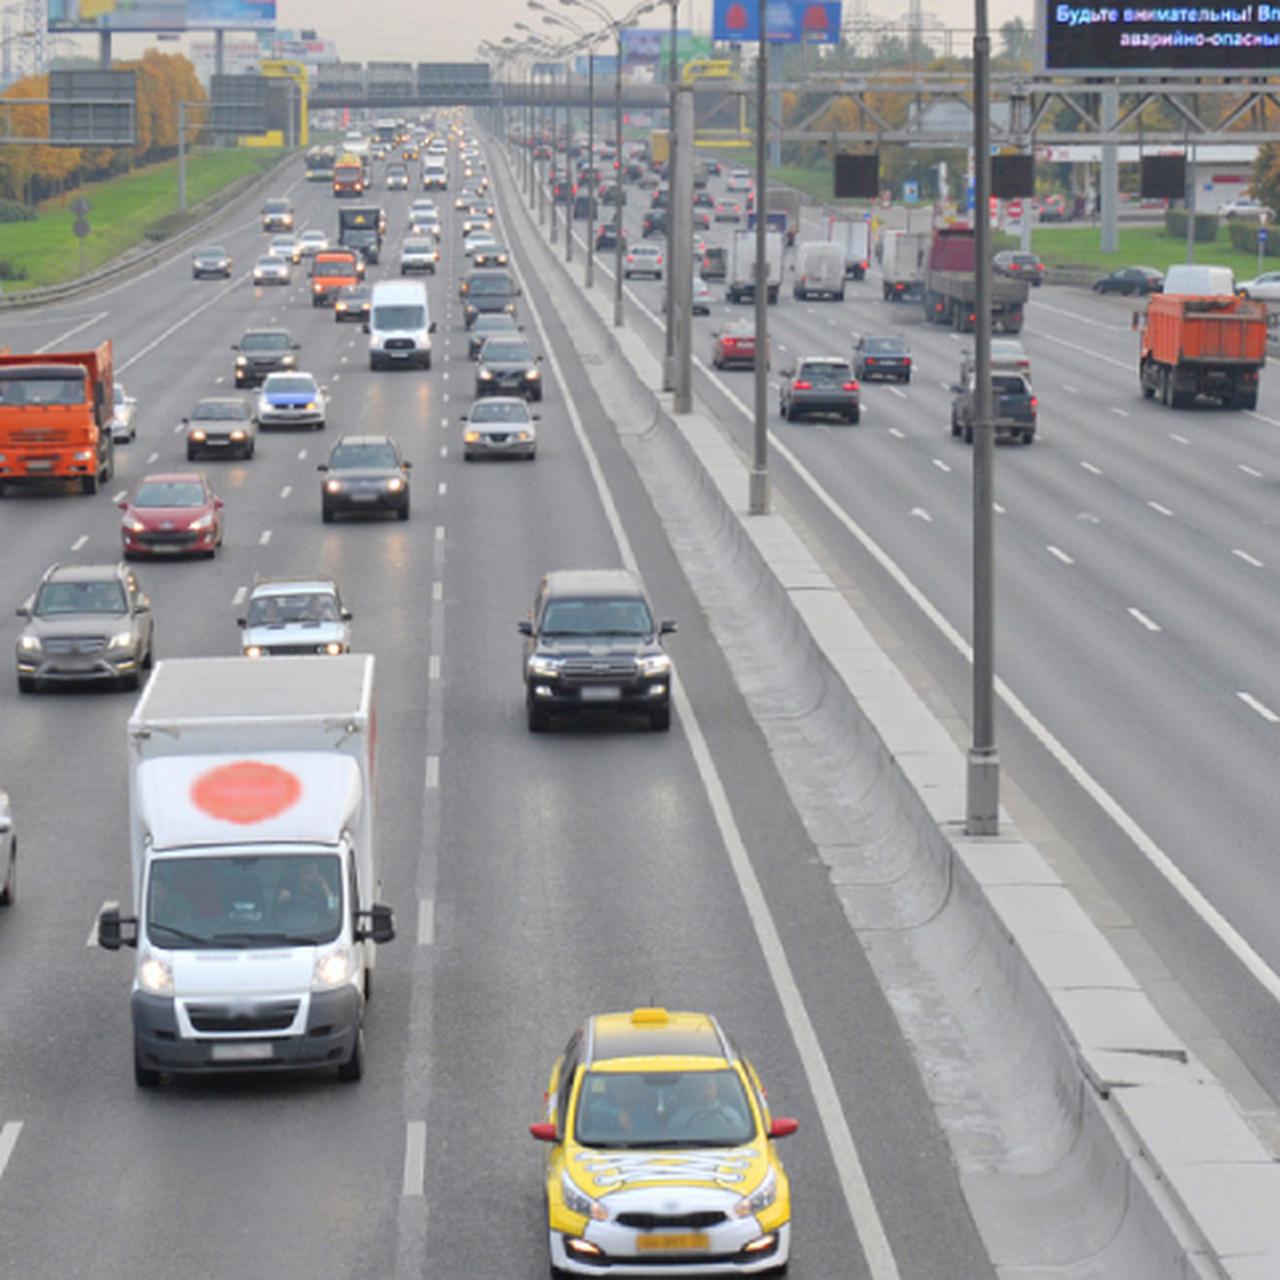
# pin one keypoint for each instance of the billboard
(1088, 39)
(786, 21)
(161, 15)
(644, 46)
(606, 65)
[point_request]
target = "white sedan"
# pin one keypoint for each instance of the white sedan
(1266, 287)
(285, 247)
(122, 407)
(311, 242)
(272, 271)
(478, 240)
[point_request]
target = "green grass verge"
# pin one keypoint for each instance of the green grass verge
(1138, 246)
(120, 212)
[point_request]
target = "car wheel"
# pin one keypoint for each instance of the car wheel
(326, 513)
(855, 417)
(192, 455)
(150, 660)
(89, 484)
(26, 684)
(132, 681)
(143, 1077)
(353, 1069)
(968, 435)
(9, 891)
(539, 719)
(660, 719)
(250, 450)
(403, 512)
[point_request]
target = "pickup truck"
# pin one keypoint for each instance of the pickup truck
(1013, 408)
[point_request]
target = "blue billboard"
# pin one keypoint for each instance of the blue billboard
(161, 15)
(786, 21)
(606, 65)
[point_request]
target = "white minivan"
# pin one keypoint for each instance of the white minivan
(400, 325)
(819, 270)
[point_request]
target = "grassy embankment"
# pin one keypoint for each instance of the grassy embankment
(121, 211)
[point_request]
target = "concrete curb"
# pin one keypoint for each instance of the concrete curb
(139, 256)
(1090, 1140)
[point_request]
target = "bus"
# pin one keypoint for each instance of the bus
(319, 162)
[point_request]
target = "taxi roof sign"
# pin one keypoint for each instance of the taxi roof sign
(649, 1015)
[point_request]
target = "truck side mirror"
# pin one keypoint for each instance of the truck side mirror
(381, 927)
(115, 931)
(524, 627)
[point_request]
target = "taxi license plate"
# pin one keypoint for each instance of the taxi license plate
(601, 693)
(690, 1243)
(242, 1052)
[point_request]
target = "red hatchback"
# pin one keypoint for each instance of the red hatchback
(735, 345)
(172, 515)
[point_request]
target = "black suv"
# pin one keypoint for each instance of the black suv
(592, 644)
(487, 291)
(507, 366)
(86, 622)
(263, 351)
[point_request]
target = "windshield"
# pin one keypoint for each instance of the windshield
(490, 286)
(79, 597)
(597, 616)
(495, 324)
(295, 386)
(54, 387)
(376, 456)
(343, 267)
(244, 901)
(663, 1109)
(410, 316)
(271, 264)
(213, 411)
(277, 206)
(213, 251)
(497, 411)
(824, 369)
(883, 346)
(418, 246)
(265, 342)
(1008, 386)
(279, 608)
(169, 493)
(508, 352)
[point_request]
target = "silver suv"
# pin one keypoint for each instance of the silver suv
(296, 616)
(85, 622)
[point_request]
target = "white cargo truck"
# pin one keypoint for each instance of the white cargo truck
(853, 235)
(256, 886)
(740, 279)
(902, 263)
(818, 271)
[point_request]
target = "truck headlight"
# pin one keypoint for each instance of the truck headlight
(332, 969)
(155, 975)
(577, 1201)
(29, 644)
(656, 664)
(543, 666)
(760, 1199)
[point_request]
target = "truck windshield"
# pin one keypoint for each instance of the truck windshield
(236, 901)
(54, 387)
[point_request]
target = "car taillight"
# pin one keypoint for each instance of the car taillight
(851, 386)
(731, 342)
(870, 360)
(658, 260)
(865, 265)
(1034, 402)
(802, 386)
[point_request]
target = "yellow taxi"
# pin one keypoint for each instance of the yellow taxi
(660, 1153)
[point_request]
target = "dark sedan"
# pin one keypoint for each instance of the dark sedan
(882, 357)
(364, 474)
(352, 303)
(1131, 280)
(220, 424)
(212, 260)
(484, 328)
(507, 366)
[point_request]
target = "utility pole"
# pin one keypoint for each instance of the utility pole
(679, 261)
(674, 161)
(758, 494)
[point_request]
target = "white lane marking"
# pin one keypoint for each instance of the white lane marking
(108, 905)
(444, 450)
(178, 324)
(1091, 469)
(921, 514)
(437, 591)
(433, 667)
(239, 597)
(1158, 507)
(942, 466)
(899, 435)
(1124, 413)
(265, 538)
(445, 375)
(1142, 618)
(445, 397)
(8, 1140)
(1069, 389)
(439, 533)
(426, 922)
(302, 455)
(151, 457)
(442, 488)
(444, 424)
(1249, 471)
(121, 496)
(835, 1126)
(62, 337)
(433, 773)
(897, 391)
(1246, 557)
(1260, 707)
(1262, 417)
(1177, 439)
(415, 1158)
(997, 508)
(1059, 554)
(79, 542)
(178, 428)
(286, 491)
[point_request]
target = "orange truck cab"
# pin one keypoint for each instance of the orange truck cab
(1213, 345)
(348, 176)
(331, 272)
(55, 418)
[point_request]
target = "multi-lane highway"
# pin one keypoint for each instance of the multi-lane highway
(1137, 554)
(535, 879)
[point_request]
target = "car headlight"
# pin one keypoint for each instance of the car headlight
(333, 486)
(510, 308)
(202, 522)
(133, 524)
(523, 436)
(395, 484)
(241, 361)
(121, 640)
(253, 651)
(29, 644)
(471, 437)
(760, 1199)
(286, 359)
(333, 648)
(155, 975)
(332, 969)
(540, 665)
(577, 1201)
(655, 664)
(485, 375)
(238, 434)
(196, 434)
(311, 404)
(532, 373)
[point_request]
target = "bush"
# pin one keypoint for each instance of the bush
(1175, 224)
(8, 271)
(1244, 236)
(12, 211)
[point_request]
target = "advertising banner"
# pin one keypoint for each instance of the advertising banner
(786, 21)
(644, 46)
(606, 65)
(161, 15)
(231, 15)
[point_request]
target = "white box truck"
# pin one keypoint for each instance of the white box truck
(818, 271)
(740, 279)
(853, 235)
(254, 864)
(902, 263)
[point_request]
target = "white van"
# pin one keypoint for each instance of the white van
(1200, 282)
(819, 270)
(400, 325)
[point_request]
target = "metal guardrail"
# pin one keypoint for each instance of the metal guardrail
(140, 256)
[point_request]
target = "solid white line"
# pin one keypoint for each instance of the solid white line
(835, 1125)
(1142, 618)
(1250, 471)
(1061, 555)
(942, 466)
(415, 1158)
(426, 922)
(1124, 413)
(92, 939)
(1155, 506)
(265, 538)
(286, 491)
(1246, 557)
(238, 598)
(8, 1140)
(433, 773)
(173, 328)
(433, 667)
(1260, 707)
(79, 542)
(1091, 469)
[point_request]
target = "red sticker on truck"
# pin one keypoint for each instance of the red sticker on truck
(245, 792)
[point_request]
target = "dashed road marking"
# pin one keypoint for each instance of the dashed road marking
(264, 538)
(415, 1157)
(1177, 439)
(1124, 413)
(433, 773)
(426, 922)
(121, 496)
(442, 488)
(437, 591)
(1249, 471)
(897, 435)
(1260, 707)
(1144, 620)
(433, 667)
(79, 542)
(1091, 469)
(8, 1140)
(1160, 508)
(1059, 554)
(239, 597)
(942, 466)
(151, 457)
(1246, 557)
(921, 514)
(439, 533)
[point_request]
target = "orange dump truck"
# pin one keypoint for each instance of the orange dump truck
(55, 415)
(1212, 346)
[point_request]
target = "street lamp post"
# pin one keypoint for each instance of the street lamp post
(758, 490)
(673, 160)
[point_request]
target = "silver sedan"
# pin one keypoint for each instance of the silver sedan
(500, 426)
